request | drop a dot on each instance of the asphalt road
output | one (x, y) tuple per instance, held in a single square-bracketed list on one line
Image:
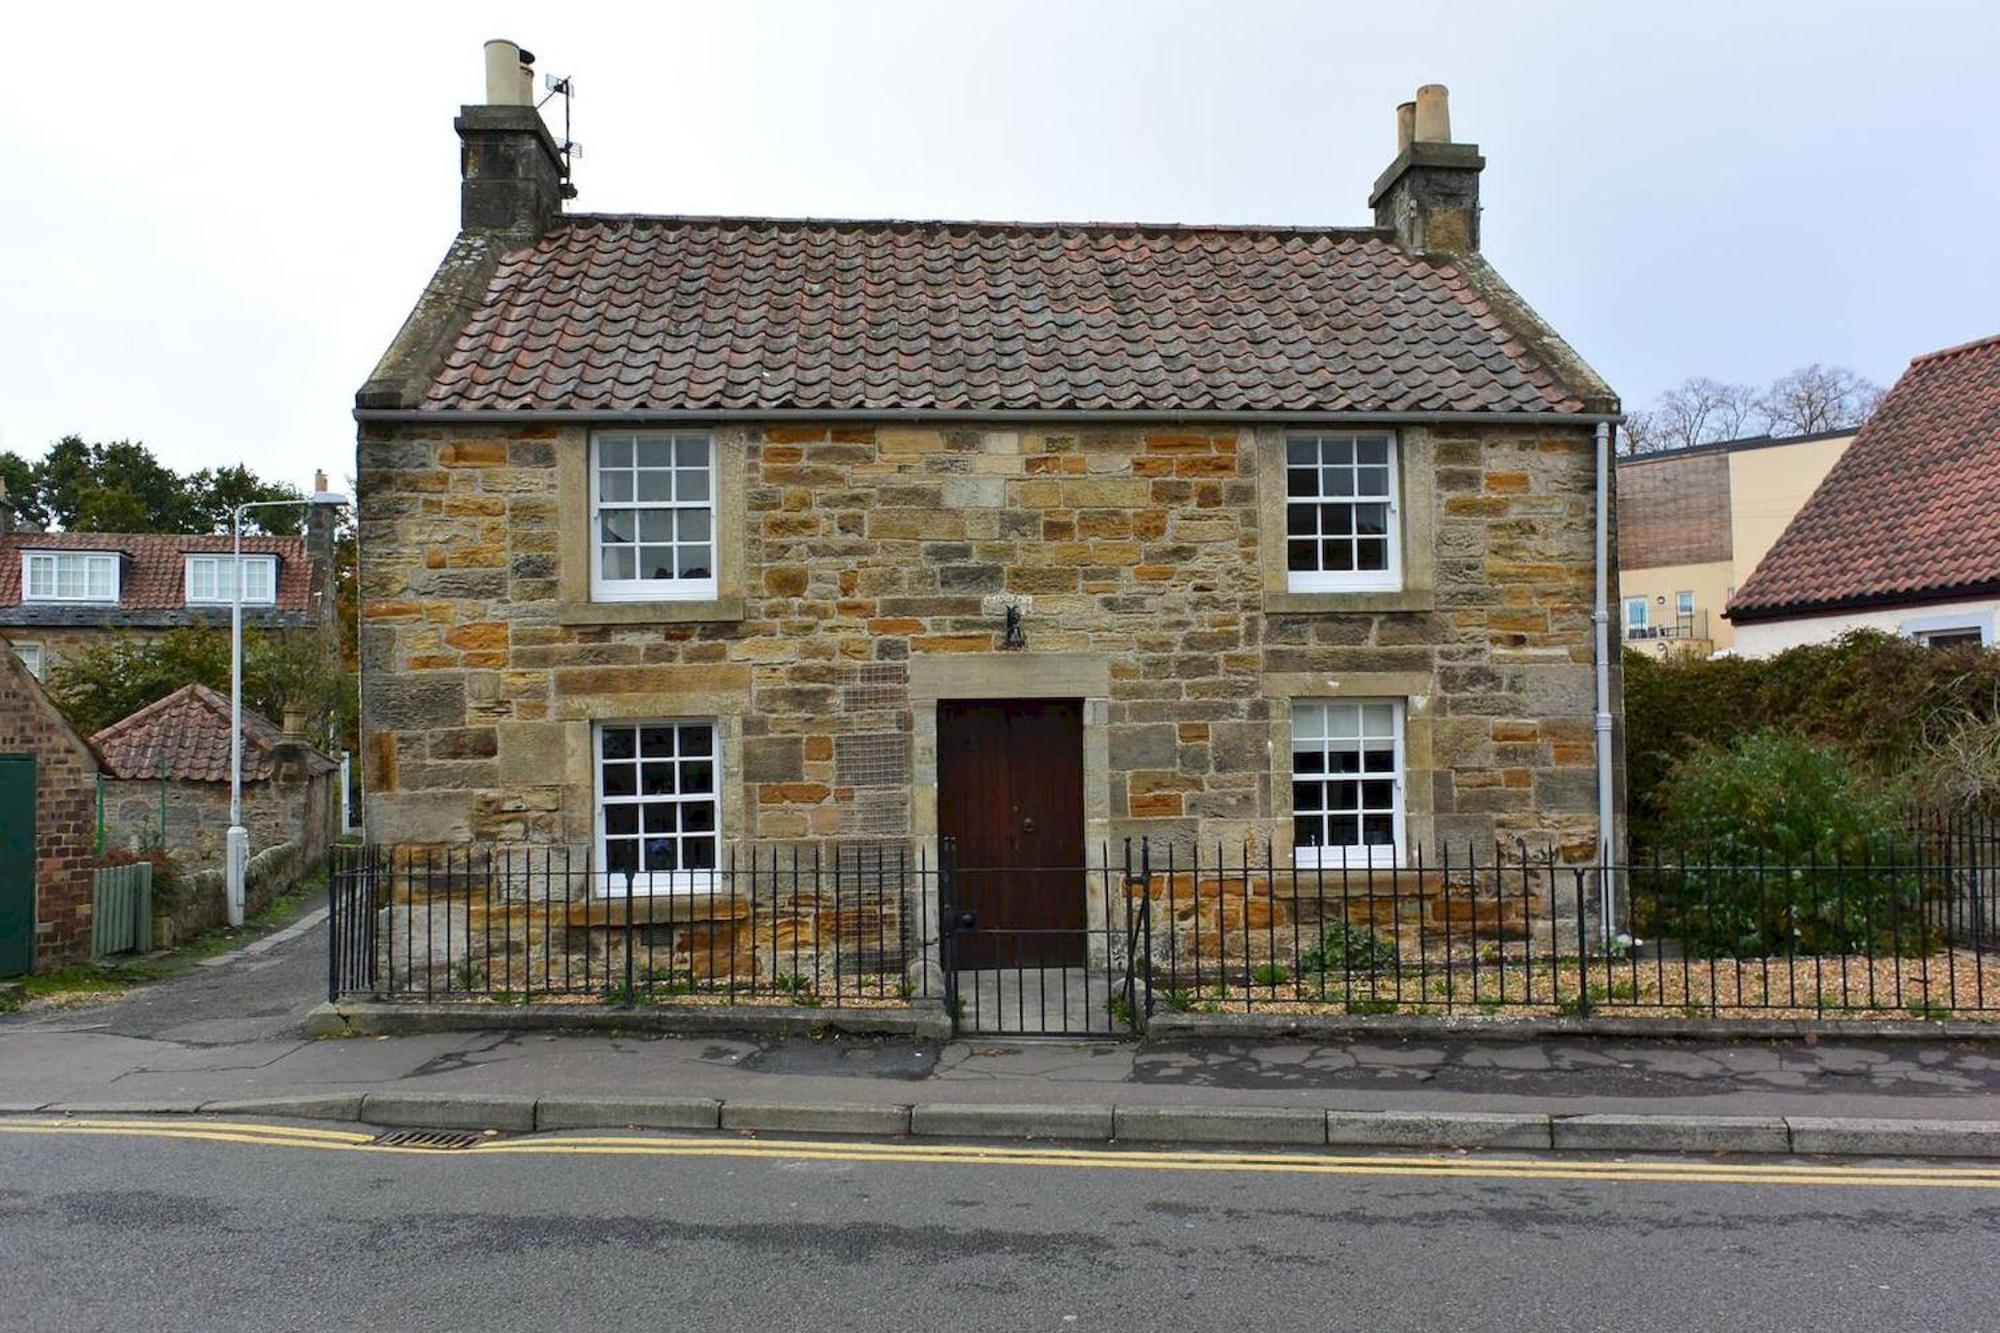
[(119, 1231)]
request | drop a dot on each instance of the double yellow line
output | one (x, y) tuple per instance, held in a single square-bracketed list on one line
[(1430, 1165)]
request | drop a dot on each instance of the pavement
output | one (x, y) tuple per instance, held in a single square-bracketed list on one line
[(223, 1035), (145, 1227)]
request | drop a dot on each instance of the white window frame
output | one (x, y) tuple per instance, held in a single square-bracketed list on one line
[(612, 885), (53, 560), (1921, 628), (1636, 629), (1684, 604), (676, 589), (218, 561), (1356, 855), (32, 657), (1390, 577)]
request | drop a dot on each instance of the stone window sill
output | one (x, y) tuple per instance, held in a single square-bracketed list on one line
[(1334, 603), (650, 613), (650, 909)]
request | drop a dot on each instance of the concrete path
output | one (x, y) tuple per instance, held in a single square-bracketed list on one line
[(234, 1032), (1056, 1001)]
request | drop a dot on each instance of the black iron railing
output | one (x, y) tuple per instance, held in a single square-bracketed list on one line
[(1908, 929), (519, 924)]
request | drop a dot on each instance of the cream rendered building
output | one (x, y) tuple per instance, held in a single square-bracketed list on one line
[(1694, 523)]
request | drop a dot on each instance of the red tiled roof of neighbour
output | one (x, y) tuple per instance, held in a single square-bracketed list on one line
[(185, 737), (1911, 512), (154, 578), (622, 313)]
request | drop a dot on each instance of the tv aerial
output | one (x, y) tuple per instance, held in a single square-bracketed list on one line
[(564, 86)]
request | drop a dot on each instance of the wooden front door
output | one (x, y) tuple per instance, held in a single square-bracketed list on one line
[(1010, 800), (17, 863)]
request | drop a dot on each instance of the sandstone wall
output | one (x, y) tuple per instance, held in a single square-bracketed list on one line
[(865, 572)]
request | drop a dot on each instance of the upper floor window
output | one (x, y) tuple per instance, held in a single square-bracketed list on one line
[(1684, 604), (1347, 782), (652, 507), (1637, 617), (69, 576), (1342, 532), (211, 580), (31, 657)]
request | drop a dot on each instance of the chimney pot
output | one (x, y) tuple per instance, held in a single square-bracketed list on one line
[(504, 84), (510, 167), (1406, 125), (1433, 114)]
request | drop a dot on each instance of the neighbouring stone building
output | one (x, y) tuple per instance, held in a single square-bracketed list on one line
[(680, 534), (48, 791), (166, 771)]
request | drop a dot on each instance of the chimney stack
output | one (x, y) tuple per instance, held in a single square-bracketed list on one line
[(509, 165), (1429, 196), (321, 524)]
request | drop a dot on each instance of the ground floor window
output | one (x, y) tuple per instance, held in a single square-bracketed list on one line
[(31, 657), (1347, 782), (658, 805)]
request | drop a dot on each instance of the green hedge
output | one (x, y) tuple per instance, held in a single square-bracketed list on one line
[(1873, 698)]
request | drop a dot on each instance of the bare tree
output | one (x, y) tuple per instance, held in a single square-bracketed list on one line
[(1696, 411), (1817, 398)]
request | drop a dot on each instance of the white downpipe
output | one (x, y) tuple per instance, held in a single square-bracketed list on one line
[(1607, 840)]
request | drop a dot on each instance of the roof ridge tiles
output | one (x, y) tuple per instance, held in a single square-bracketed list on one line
[(991, 226)]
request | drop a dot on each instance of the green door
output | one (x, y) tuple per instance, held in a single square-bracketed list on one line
[(17, 864)]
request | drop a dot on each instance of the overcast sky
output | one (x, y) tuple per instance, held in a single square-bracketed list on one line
[(213, 220)]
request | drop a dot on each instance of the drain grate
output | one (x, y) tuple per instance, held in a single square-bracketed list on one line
[(442, 1140)]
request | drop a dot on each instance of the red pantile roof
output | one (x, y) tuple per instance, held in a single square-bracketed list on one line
[(185, 737), (1911, 512), (619, 313), (154, 575)]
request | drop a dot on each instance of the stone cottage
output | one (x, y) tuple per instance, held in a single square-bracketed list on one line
[(48, 790), (683, 534), (166, 770)]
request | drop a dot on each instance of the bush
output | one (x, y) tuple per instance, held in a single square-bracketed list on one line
[(1957, 769), (1781, 846), (170, 881), (1349, 948)]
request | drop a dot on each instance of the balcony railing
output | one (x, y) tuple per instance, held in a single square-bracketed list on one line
[(1692, 626)]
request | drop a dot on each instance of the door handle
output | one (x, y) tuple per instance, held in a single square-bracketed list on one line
[(1028, 824)]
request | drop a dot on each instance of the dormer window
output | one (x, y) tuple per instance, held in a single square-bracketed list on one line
[(209, 581), (69, 576)]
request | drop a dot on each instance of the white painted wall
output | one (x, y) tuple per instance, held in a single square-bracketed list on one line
[(1764, 638)]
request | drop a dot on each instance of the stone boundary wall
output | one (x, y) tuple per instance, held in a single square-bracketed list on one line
[(202, 904)]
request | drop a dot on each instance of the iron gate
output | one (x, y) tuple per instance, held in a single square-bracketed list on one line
[(1047, 981)]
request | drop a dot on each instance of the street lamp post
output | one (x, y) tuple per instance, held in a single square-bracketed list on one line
[(236, 845)]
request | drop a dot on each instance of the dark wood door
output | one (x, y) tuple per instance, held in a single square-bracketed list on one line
[(1010, 799)]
